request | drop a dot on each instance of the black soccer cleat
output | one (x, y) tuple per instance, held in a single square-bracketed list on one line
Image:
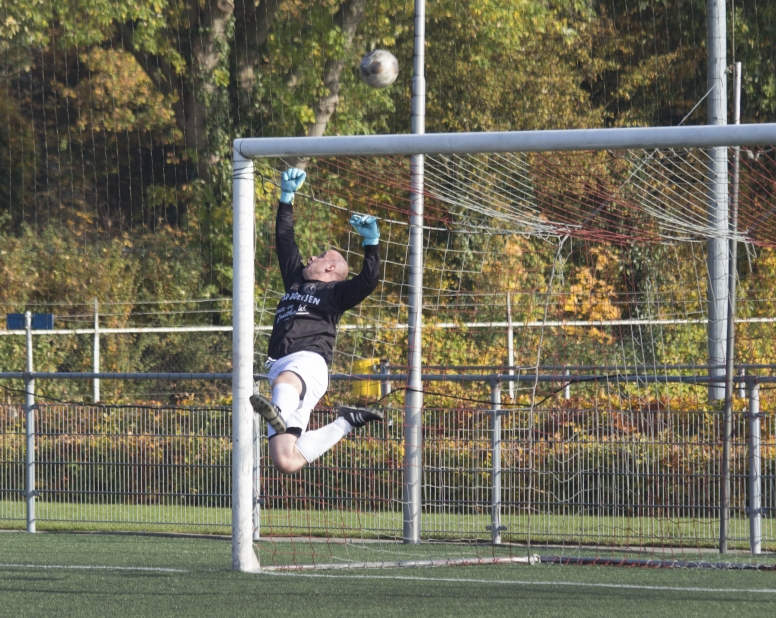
[(269, 412), (358, 417)]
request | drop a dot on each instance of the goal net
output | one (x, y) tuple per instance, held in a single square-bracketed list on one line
[(567, 410)]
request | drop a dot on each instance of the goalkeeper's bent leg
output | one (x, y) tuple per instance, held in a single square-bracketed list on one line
[(285, 455), (313, 444)]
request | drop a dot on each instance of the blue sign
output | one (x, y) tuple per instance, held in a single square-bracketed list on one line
[(40, 321)]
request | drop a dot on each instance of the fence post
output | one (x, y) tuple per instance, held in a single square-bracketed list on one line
[(510, 347), (724, 493), (495, 480), (29, 418), (385, 384), (742, 382), (567, 386), (755, 510), (96, 355), (256, 477)]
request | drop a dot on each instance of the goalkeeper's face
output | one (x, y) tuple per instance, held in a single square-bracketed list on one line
[(328, 266)]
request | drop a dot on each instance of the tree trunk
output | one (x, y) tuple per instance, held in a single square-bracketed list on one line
[(201, 95), (251, 31), (349, 18), (194, 96)]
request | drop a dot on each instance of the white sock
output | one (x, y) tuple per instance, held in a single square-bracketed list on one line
[(313, 444), (285, 397)]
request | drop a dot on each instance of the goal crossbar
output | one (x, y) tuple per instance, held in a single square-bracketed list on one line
[(509, 141)]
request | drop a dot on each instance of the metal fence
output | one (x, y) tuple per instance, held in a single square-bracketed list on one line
[(598, 475), (120, 467)]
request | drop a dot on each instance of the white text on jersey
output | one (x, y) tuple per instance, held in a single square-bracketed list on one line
[(305, 298)]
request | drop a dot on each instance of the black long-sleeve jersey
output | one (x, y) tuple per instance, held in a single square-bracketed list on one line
[(308, 313)]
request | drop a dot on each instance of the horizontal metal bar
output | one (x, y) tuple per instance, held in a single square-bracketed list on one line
[(623, 367), (130, 464), (130, 329), (440, 562), (140, 522), (398, 469), (502, 377), (127, 493), (426, 325), (334, 498), (485, 501), (509, 141), (143, 434), (561, 379), (89, 375), (557, 323)]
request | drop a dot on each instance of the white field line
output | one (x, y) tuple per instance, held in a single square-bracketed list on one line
[(527, 583), (452, 580), (92, 567)]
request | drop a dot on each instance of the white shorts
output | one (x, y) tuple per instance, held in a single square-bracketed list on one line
[(312, 369)]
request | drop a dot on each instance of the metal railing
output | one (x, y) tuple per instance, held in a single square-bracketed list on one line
[(92, 352), (602, 474), (117, 466)]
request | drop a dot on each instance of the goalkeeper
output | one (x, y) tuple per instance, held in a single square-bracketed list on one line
[(300, 348)]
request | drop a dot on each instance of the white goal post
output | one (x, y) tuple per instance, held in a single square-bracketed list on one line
[(247, 149)]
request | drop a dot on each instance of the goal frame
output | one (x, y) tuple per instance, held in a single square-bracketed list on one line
[(247, 149)]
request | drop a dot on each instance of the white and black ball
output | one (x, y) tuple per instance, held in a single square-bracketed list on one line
[(379, 68)]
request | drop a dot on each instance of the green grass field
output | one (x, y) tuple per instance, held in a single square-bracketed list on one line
[(567, 529), (97, 574)]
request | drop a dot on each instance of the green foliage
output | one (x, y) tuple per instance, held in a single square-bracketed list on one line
[(755, 36), (116, 121), (69, 266)]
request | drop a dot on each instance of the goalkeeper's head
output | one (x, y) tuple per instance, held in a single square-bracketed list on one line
[(328, 266)]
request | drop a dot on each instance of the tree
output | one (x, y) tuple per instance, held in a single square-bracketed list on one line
[(203, 91), (145, 100)]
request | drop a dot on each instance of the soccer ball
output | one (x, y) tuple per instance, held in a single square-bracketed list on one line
[(379, 68)]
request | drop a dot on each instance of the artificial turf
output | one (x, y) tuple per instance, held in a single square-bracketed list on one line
[(38, 578), (545, 528)]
